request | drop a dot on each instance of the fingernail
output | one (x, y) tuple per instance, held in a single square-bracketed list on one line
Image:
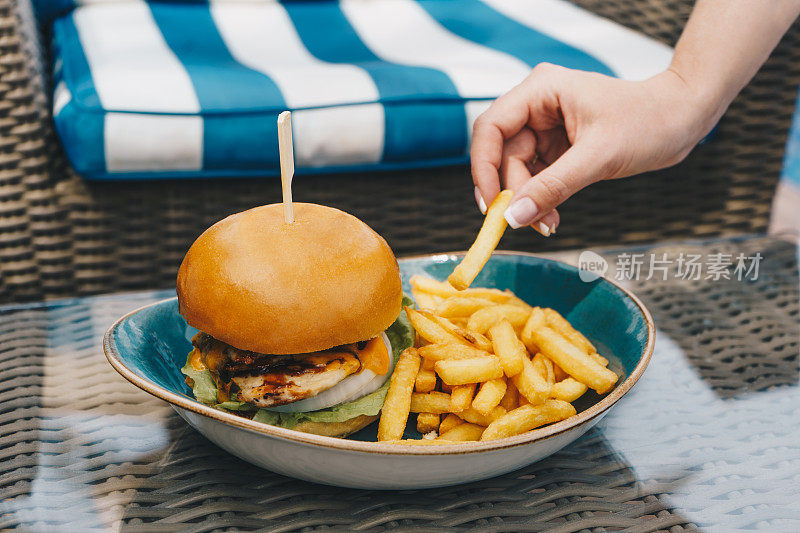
[(479, 199), (543, 229), (521, 213), (553, 229)]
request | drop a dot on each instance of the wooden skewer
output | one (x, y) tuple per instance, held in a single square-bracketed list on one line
[(286, 150)]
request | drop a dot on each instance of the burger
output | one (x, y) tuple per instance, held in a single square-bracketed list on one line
[(297, 325)]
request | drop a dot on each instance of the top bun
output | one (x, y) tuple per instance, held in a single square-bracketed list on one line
[(259, 284)]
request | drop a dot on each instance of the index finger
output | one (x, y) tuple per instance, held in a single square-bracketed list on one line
[(505, 118)]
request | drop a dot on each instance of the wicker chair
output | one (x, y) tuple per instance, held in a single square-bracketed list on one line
[(62, 236)]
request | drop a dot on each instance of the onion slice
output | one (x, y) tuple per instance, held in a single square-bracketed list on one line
[(349, 389)]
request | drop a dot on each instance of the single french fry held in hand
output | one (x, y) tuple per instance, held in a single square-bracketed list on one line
[(568, 390), (430, 402), (394, 413), (459, 306), (494, 225), (426, 380), (461, 397), (439, 352), (562, 325), (507, 347), (474, 370), (511, 397), (450, 421), (429, 329), (573, 360), (531, 384), (528, 417), (463, 432), (483, 319), (544, 366), (474, 417), (489, 396), (427, 422)]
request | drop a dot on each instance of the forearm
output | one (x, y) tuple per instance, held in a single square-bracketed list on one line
[(724, 44)]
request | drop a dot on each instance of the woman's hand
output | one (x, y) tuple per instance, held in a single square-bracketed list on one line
[(561, 130)]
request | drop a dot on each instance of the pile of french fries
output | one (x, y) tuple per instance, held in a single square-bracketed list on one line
[(486, 365)]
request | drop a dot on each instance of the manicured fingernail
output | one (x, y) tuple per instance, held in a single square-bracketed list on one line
[(553, 229), (479, 199), (521, 213), (543, 229)]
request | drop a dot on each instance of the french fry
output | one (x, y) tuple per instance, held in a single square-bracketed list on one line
[(427, 422), (463, 371), (459, 306), (528, 417), (424, 300), (561, 325), (471, 337), (431, 286), (507, 347), (449, 422), (460, 322), (485, 318), (573, 360), (511, 397), (544, 366), (439, 352), (430, 402), (421, 442), (463, 432), (530, 384), (521, 400), (461, 397), (568, 390), (516, 300), (559, 374), (474, 417), (429, 329), (427, 364), (394, 413), (445, 387), (489, 396), (494, 225), (599, 359), (494, 295), (426, 380), (537, 320)]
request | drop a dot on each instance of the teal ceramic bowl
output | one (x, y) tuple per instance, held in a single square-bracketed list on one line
[(149, 346)]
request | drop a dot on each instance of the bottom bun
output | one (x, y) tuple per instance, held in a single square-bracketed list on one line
[(336, 429)]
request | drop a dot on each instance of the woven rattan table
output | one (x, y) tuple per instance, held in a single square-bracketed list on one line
[(709, 439)]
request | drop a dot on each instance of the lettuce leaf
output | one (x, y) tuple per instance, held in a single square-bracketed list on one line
[(204, 388), (401, 336)]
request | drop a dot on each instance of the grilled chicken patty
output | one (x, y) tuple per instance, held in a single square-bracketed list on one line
[(267, 380)]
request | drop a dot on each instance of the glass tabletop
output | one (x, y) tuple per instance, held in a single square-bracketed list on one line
[(708, 440)]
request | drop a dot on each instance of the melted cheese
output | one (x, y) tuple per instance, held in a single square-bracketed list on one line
[(375, 356), (196, 361)]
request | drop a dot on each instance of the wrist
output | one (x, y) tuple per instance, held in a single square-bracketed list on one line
[(694, 108)]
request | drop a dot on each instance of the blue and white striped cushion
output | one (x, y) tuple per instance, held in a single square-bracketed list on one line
[(189, 89)]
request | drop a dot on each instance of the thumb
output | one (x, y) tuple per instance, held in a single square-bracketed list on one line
[(574, 170)]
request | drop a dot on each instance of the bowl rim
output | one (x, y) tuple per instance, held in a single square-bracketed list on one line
[(384, 448)]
